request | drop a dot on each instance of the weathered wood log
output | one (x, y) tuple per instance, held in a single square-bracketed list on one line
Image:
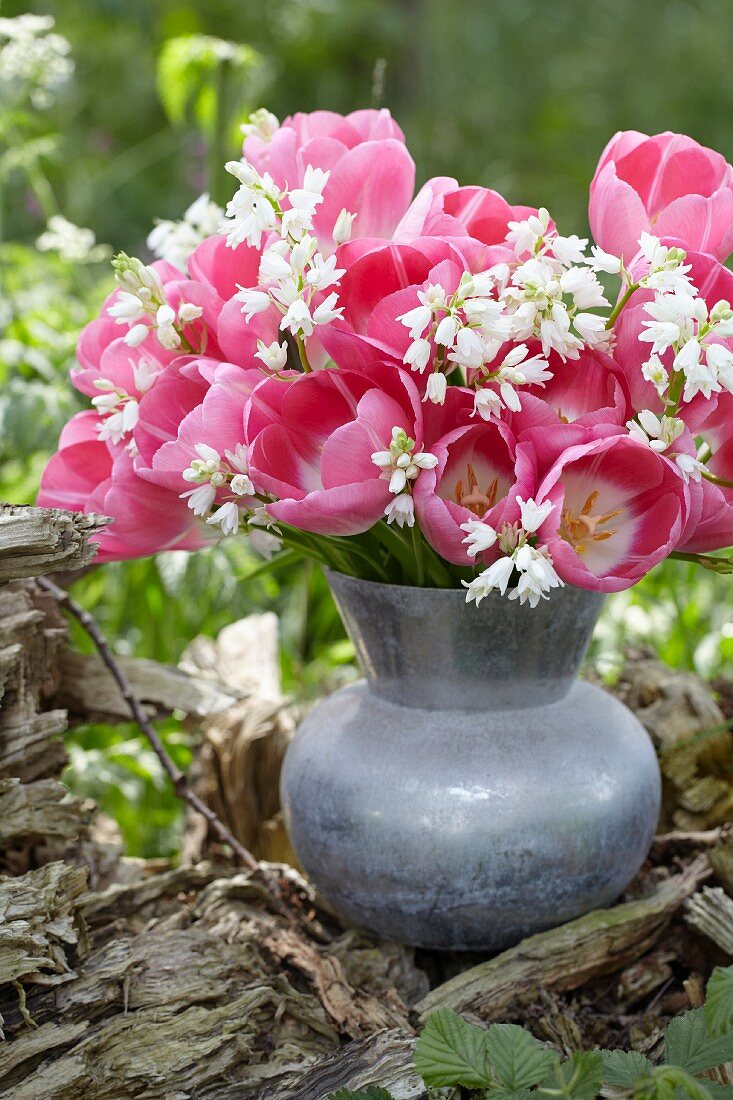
[(567, 957), (711, 912), (239, 760), (688, 729), (89, 693), (44, 540), (384, 1059)]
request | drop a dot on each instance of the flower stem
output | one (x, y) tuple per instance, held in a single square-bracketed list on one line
[(717, 480), (302, 355), (620, 304)]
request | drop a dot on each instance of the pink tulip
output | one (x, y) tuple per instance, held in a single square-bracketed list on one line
[(623, 509), (209, 414), (667, 185), (713, 529), (103, 353), (371, 173), (378, 287), (484, 214), (86, 475), (480, 473), (311, 442)]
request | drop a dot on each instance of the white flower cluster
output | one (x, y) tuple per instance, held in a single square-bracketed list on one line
[(517, 542), (292, 270), (552, 286), (141, 305), (261, 123), (72, 242), (174, 241), (33, 60), (290, 278), (659, 433), (401, 465), (681, 321), (545, 295), (463, 329), (119, 409), (211, 472)]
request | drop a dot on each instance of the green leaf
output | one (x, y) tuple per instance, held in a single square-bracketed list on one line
[(719, 1002), (371, 1092), (623, 1067), (580, 1077), (452, 1052), (719, 1092), (518, 1059), (187, 66), (668, 1082), (691, 1045)]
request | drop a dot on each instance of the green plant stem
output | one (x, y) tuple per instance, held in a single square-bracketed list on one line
[(303, 355), (217, 152), (621, 303), (717, 480)]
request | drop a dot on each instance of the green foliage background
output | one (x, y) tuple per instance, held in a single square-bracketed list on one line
[(514, 94)]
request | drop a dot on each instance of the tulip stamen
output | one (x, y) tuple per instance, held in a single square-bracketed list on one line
[(472, 497), (579, 529)]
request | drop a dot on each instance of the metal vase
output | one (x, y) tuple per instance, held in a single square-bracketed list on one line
[(471, 790)]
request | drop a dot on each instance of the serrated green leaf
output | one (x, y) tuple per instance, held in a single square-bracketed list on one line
[(719, 1001), (371, 1092), (669, 1083), (509, 1094), (518, 1059), (623, 1067), (718, 1091), (452, 1052), (580, 1077), (691, 1046)]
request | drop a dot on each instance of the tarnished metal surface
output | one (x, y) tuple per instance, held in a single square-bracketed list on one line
[(471, 792)]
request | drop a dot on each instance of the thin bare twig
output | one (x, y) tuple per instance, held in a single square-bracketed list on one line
[(174, 773)]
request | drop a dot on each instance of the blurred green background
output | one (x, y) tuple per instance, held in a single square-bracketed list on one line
[(513, 94)]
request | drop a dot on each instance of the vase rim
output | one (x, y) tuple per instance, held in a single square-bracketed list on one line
[(328, 572)]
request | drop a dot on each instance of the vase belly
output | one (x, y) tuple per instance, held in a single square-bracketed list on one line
[(467, 829)]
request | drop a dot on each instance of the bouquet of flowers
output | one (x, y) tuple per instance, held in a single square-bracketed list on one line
[(433, 389)]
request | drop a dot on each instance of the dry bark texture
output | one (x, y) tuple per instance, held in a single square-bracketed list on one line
[(124, 979)]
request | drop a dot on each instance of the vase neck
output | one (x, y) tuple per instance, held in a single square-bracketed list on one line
[(427, 648)]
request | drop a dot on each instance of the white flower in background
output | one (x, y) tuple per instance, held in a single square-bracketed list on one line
[(261, 123), (33, 61), (255, 207), (536, 575), (655, 372), (461, 329), (659, 433), (211, 473), (141, 305), (480, 536), (527, 236), (227, 517), (436, 389), (274, 356), (400, 464), (291, 278), (174, 241), (72, 242), (681, 321), (604, 261), (667, 269), (401, 510), (518, 368), (547, 295), (690, 467), (343, 228)]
